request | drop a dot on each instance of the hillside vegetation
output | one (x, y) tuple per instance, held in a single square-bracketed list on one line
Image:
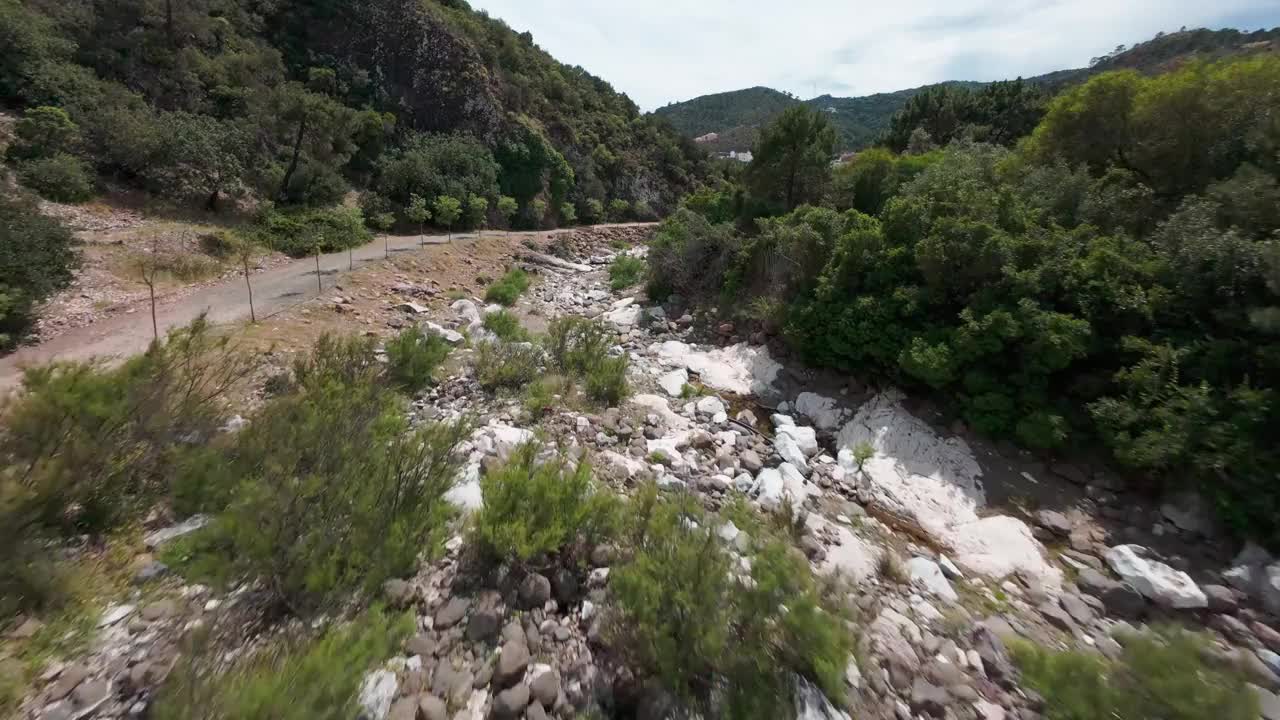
[(1114, 278), (300, 101), (862, 121)]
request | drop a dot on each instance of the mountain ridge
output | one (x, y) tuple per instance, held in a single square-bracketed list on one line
[(860, 120)]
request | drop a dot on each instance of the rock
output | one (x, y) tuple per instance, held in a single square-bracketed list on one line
[(927, 574), (751, 461), (988, 711), (377, 691), (995, 658), (673, 383), (1268, 588), (535, 591), (1188, 512), (566, 586), (1073, 473), (666, 451), (949, 568), (812, 704), (1266, 635), (412, 308), (67, 680), (1124, 601), (791, 452), (510, 703), (61, 710), (825, 412), (851, 556), (1077, 609), (399, 594), (173, 532), (935, 485), (1094, 582), (624, 317), (1155, 580), (1268, 703), (150, 571), (1221, 599), (1054, 521), (512, 662), (421, 644), (158, 610), (546, 687), (453, 337), (929, 699), (26, 629), (115, 614), (710, 406), (1056, 616), (484, 624), (738, 369), (450, 613), (431, 707), (535, 712), (406, 708), (805, 438)]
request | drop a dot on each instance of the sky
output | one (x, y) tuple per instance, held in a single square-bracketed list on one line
[(663, 51)]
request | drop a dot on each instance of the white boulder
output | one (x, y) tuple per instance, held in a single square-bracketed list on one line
[(377, 691), (710, 406), (740, 369), (791, 452), (673, 383), (825, 412), (1155, 580), (805, 437), (929, 575)]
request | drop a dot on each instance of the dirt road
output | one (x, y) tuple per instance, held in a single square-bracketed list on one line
[(273, 291)]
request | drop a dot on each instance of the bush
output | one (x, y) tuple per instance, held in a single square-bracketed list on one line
[(60, 177), (332, 493), (36, 260), (575, 345), (626, 271), (413, 356), (300, 233), (538, 506), (508, 288), (606, 381), (690, 256), (220, 244), (97, 446), (507, 365), (506, 326), (726, 644), (542, 393), (1162, 675), (291, 679)]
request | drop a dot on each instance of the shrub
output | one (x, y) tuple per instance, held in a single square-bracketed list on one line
[(1163, 674), (332, 493), (541, 394), (619, 209), (690, 256), (220, 244), (507, 365), (575, 344), (606, 381), (535, 506), (292, 679), (95, 446), (300, 233), (506, 326), (626, 271), (36, 260), (60, 177), (726, 644), (413, 356), (508, 288)]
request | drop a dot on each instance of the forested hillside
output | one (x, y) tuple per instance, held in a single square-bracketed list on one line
[(861, 121), (299, 101), (432, 112), (1108, 274)]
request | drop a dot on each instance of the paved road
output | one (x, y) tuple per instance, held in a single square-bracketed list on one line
[(273, 291)]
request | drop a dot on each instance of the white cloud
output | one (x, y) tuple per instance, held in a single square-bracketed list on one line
[(660, 51)]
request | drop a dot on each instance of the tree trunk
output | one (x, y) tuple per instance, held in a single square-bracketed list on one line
[(319, 285), (253, 316), (212, 203), (297, 153), (155, 327)]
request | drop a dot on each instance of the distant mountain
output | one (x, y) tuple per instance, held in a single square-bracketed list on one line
[(734, 118)]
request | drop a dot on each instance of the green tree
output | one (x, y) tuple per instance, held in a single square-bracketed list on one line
[(507, 208), (619, 209), (44, 131), (592, 211), (537, 210), (478, 212), (568, 214), (792, 161), (36, 260), (418, 213), (200, 158), (447, 210)]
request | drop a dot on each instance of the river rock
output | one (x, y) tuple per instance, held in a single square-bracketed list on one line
[(673, 383), (1155, 580), (805, 438), (739, 369), (926, 573), (825, 412), (377, 691)]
